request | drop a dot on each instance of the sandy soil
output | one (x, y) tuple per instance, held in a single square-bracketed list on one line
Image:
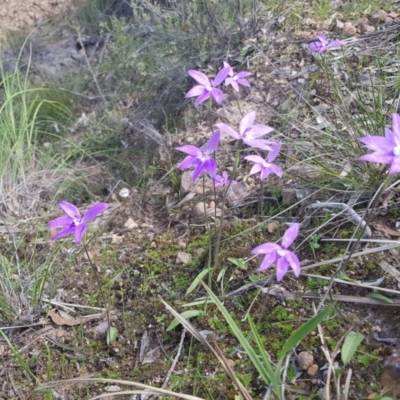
[(22, 14)]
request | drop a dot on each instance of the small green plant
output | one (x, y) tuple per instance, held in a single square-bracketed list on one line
[(258, 354)]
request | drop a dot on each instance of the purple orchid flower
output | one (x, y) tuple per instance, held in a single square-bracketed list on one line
[(265, 167), (274, 253), (236, 79), (201, 159), (386, 150), (249, 133), (322, 43), (73, 222), (223, 180), (207, 87)]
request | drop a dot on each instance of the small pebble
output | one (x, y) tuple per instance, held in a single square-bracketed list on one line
[(305, 360)]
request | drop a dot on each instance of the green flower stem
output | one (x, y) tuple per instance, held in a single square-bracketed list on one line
[(219, 233)]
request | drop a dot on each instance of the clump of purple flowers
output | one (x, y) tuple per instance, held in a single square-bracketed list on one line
[(73, 222), (284, 258), (202, 159), (322, 43)]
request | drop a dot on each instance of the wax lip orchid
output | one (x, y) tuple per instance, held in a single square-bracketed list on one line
[(235, 79), (223, 180), (249, 133), (73, 222), (386, 150), (274, 253), (201, 159), (265, 167), (322, 43), (207, 87)]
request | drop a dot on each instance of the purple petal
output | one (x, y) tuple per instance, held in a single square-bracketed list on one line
[(266, 248), (228, 81), (218, 95), (196, 91), (269, 259), (315, 46), (274, 152), (69, 209), (335, 43), (262, 144), (257, 131), (79, 231), (213, 142), (396, 132), (243, 82), (94, 211), (218, 181), (265, 171), (323, 39), (282, 267), (246, 122), (190, 149), (199, 77), (221, 76), (61, 222), (290, 235), (202, 98), (255, 159), (210, 166), (276, 170), (294, 262), (63, 233), (198, 171), (395, 166), (235, 86), (243, 74), (255, 169), (188, 162), (389, 135), (377, 143), (226, 65), (227, 129), (380, 158)]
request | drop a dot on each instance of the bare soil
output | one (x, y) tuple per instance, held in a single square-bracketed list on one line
[(16, 15)]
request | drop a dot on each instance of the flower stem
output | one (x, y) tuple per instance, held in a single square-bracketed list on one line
[(220, 228), (103, 298)]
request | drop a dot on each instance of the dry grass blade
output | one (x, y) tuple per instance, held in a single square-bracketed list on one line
[(347, 384), (354, 283), (148, 389), (215, 350)]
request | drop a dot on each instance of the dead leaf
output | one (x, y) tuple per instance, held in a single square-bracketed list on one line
[(386, 229), (151, 356), (70, 321), (395, 273), (146, 355), (144, 344)]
